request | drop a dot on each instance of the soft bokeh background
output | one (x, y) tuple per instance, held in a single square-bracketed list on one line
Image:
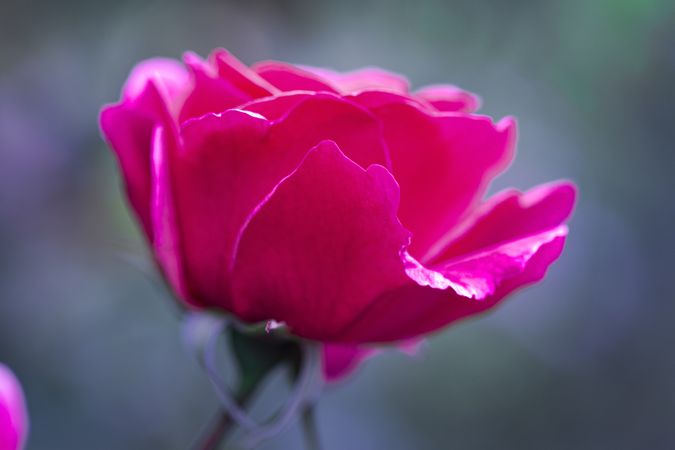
[(585, 360)]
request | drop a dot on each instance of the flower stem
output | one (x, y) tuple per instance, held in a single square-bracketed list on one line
[(220, 426), (309, 429), (215, 433)]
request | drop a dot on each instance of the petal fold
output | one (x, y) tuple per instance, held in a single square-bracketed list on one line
[(221, 83), (507, 216), (443, 162), (166, 241), (322, 246), (438, 296), (230, 163), (149, 98)]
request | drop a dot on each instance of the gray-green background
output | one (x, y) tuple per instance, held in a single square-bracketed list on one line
[(583, 361)]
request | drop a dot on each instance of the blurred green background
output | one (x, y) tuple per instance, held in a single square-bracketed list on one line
[(584, 360)]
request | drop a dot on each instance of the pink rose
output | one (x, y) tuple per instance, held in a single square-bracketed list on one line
[(13, 417), (343, 205)]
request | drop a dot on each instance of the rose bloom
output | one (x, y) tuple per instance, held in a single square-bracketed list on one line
[(341, 204), (13, 417)]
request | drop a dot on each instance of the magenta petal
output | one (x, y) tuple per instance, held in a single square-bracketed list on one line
[(273, 108), (231, 162), (438, 296), (449, 98), (152, 91), (165, 227), (374, 99), (240, 75), (368, 78), (221, 83), (291, 78), (13, 415), (340, 360), (507, 216), (301, 262), (443, 163), (479, 275), (324, 116), (222, 172), (168, 76)]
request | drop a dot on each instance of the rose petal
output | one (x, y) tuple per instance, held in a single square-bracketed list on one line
[(166, 242), (219, 84), (442, 162), (449, 98), (288, 77), (13, 415), (168, 75), (324, 244), (436, 297), (148, 97), (340, 361), (273, 108), (507, 216), (232, 161), (240, 75), (374, 99), (368, 78), (480, 256)]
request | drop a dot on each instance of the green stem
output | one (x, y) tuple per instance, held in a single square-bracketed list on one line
[(220, 427), (309, 429)]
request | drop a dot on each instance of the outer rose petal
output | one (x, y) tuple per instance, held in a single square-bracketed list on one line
[(507, 216), (273, 108), (232, 161), (507, 243), (368, 78), (442, 162), (342, 360), (166, 242), (301, 262), (436, 297), (148, 98), (219, 84), (13, 416), (449, 98), (339, 361), (288, 77), (241, 75)]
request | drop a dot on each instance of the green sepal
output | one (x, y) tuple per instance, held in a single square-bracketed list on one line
[(257, 354)]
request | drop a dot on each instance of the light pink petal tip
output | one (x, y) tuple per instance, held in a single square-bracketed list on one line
[(368, 78), (169, 76), (449, 98), (13, 415), (288, 77)]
